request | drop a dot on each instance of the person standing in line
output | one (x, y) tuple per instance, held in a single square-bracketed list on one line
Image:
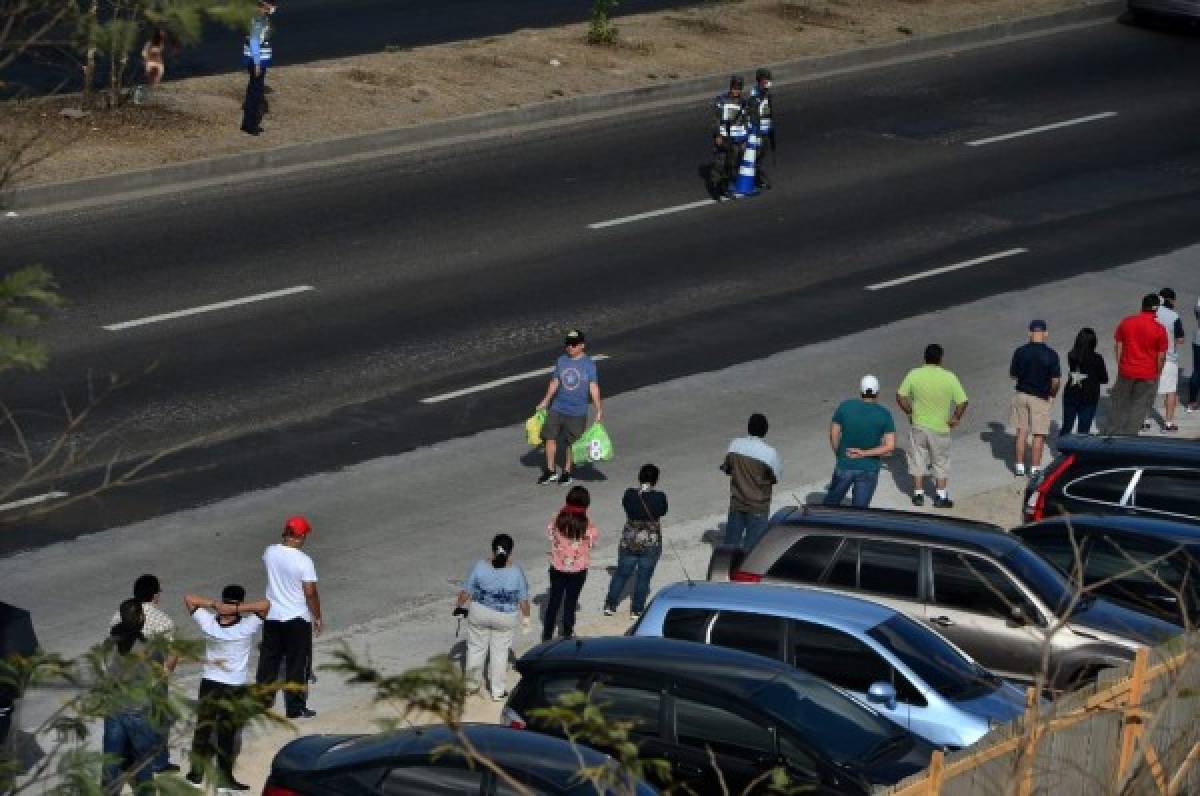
[(1194, 382), (729, 138), (1140, 342), (495, 593), (1087, 372), (256, 57), (934, 402), (1168, 380), (1038, 374), (294, 617), (229, 627), (130, 741), (572, 537), (573, 383), (762, 111), (753, 468), (861, 433), (641, 542)]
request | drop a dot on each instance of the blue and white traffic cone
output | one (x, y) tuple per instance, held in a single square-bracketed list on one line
[(745, 185)]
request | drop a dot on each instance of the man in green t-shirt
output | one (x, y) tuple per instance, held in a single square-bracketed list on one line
[(860, 433), (934, 402)]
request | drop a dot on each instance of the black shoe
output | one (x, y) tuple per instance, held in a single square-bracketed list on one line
[(548, 477), (943, 503), (565, 478), (918, 498), (252, 130), (229, 783), (303, 713), (195, 778)]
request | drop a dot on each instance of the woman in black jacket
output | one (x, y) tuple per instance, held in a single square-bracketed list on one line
[(1087, 373), (641, 542)]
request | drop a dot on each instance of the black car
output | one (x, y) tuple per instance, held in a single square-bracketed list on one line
[(1144, 563), (1151, 476), (753, 714), (413, 762)]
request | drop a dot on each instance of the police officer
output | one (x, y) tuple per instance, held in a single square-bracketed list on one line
[(729, 139), (761, 112), (256, 57)]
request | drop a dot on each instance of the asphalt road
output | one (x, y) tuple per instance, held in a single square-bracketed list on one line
[(431, 274)]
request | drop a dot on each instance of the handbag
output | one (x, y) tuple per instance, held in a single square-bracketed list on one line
[(642, 536)]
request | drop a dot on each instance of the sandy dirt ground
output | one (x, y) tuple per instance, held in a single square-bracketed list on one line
[(199, 117)]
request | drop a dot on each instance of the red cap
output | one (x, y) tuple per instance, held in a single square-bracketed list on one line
[(297, 526)]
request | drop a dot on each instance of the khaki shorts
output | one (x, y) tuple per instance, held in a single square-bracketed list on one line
[(1030, 414), (928, 450), (1168, 380)]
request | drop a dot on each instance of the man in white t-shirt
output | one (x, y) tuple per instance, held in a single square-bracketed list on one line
[(229, 628), (294, 617)]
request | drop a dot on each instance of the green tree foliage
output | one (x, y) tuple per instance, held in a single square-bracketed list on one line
[(25, 294), (601, 30)]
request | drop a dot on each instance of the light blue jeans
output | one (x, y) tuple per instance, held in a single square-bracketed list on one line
[(638, 565)]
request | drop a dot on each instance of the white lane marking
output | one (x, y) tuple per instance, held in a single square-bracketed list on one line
[(220, 305), (437, 399), (987, 258), (666, 211), (1095, 117), (32, 501)]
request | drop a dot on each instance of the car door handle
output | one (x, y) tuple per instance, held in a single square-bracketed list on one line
[(941, 621)]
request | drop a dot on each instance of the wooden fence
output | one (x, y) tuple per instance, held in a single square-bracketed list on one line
[(1136, 731)]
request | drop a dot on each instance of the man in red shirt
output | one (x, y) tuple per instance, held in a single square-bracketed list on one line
[(1141, 346)]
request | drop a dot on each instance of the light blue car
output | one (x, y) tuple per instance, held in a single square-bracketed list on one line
[(901, 668)]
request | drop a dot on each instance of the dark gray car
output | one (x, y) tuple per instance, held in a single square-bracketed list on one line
[(977, 585)]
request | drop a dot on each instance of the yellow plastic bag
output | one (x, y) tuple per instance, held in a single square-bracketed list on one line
[(533, 427)]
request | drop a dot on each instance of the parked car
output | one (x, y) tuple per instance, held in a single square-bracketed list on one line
[(976, 584), (904, 669), (1152, 476), (752, 714), (408, 763), (1144, 563)]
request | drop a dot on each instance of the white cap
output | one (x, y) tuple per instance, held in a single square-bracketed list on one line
[(869, 384)]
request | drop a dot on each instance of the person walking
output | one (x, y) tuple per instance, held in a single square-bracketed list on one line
[(1194, 382), (762, 112), (753, 468), (1140, 342), (495, 593), (130, 740), (641, 542), (729, 138), (294, 617), (572, 537), (572, 384), (934, 402), (229, 627), (1086, 372), (1038, 374), (861, 433), (257, 55), (1168, 380)]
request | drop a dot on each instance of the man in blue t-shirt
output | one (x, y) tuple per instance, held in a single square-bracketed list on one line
[(860, 433), (572, 385), (1037, 374)]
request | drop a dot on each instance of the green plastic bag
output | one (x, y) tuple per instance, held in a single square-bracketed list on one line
[(533, 427), (594, 446)]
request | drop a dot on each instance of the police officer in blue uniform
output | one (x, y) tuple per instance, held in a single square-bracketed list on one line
[(729, 138), (761, 114), (256, 57)]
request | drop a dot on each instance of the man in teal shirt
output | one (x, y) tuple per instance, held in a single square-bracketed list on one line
[(860, 434), (934, 401)]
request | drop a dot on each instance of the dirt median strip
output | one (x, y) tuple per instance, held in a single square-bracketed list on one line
[(187, 132)]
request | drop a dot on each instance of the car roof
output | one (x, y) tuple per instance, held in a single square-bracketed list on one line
[(1135, 524), (838, 610), (1135, 449), (909, 525)]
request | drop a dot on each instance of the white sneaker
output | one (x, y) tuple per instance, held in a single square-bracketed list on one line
[(1020, 470), (1034, 472)]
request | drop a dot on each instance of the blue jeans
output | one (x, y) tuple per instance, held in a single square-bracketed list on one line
[(863, 482), (1194, 382), (627, 564), (129, 743), (743, 529), (1084, 414)]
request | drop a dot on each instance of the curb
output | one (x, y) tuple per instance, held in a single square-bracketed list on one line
[(314, 153)]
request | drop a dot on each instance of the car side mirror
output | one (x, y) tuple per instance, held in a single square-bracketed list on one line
[(882, 693)]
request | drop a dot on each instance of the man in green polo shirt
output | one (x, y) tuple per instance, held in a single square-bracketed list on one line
[(934, 402)]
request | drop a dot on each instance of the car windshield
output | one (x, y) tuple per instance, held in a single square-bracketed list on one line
[(931, 658), (1050, 586), (843, 729)]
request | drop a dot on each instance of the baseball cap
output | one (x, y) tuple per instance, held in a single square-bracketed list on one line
[(1167, 293), (1037, 326), (869, 384), (574, 337), (297, 526)]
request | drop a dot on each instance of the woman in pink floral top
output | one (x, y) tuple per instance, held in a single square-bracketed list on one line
[(572, 536)]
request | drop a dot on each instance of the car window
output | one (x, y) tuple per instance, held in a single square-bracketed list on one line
[(805, 560), (1169, 491), (761, 634), (845, 568), (622, 701), (889, 568), (554, 687), (1054, 544), (845, 661), (1106, 487), (428, 780), (1147, 573), (971, 583), (800, 760), (933, 659), (700, 725), (688, 624)]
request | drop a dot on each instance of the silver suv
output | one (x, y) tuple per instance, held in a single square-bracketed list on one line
[(977, 585)]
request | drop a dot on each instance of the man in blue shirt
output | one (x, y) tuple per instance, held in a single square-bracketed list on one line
[(860, 433), (1038, 375), (572, 385)]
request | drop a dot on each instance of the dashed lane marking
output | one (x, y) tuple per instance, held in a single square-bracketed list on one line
[(220, 305), (666, 211), (945, 269), (1095, 117), (437, 399)]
